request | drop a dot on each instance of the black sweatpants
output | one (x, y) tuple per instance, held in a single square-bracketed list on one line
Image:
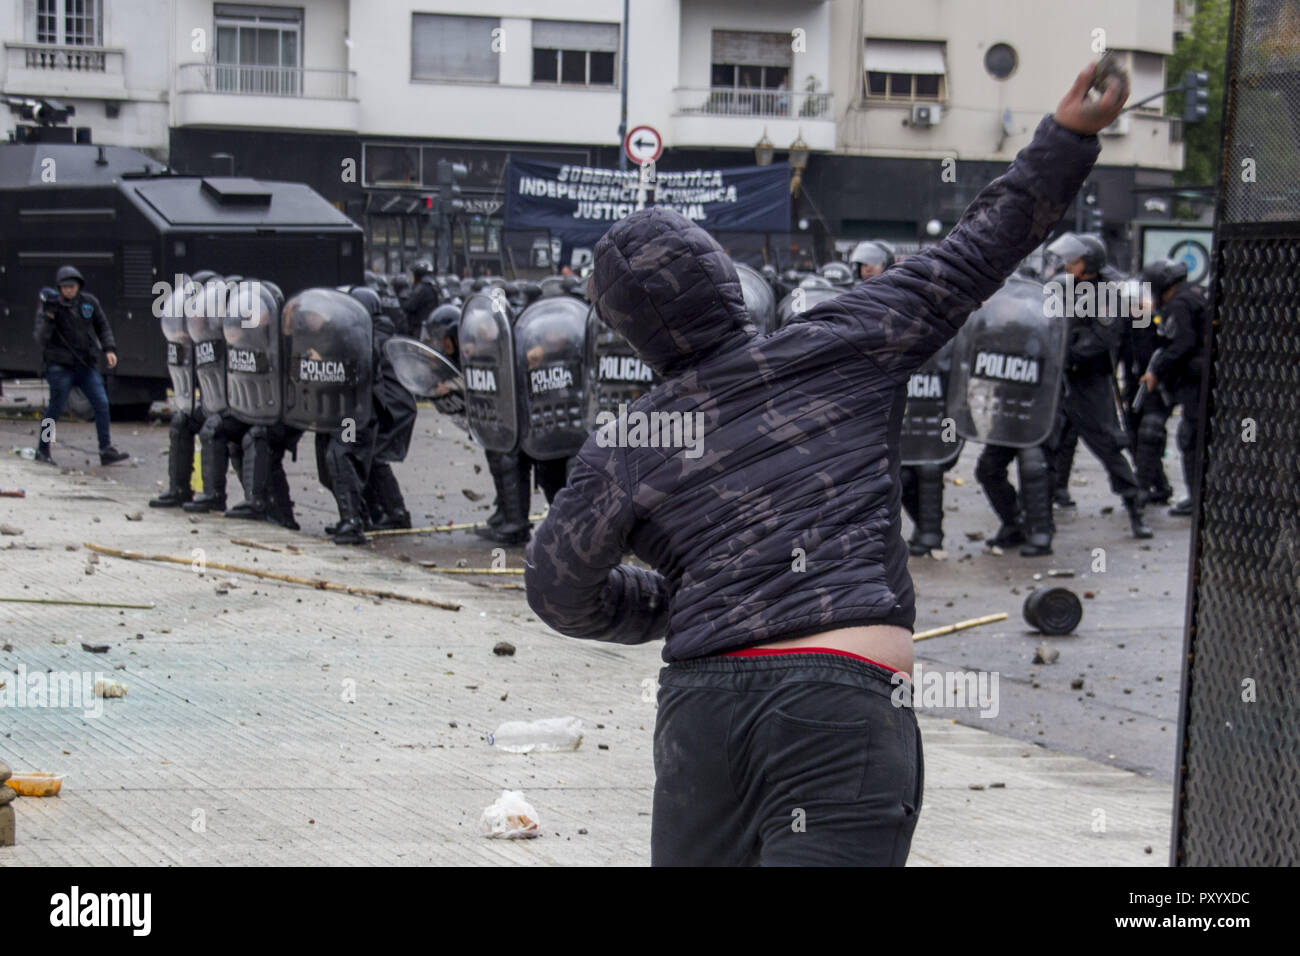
[(784, 760)]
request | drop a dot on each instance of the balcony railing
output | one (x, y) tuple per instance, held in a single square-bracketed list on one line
[(726, 101), (266, 81), (73, 59)]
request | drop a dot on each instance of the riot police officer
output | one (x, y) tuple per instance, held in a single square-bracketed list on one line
[(187, 411), (1141, 338), (72, 329), (1175, 370), (872, 257), (422, 300), (1096, 327), (394, 415)]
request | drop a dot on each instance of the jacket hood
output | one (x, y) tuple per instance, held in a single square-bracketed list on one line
[(666, 286)]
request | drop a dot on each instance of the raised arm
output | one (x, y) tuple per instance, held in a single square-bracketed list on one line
[(573, 575), (901, 317)]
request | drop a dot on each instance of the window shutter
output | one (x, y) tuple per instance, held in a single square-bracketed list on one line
[(752, 49), (453, 48), (574, 35)]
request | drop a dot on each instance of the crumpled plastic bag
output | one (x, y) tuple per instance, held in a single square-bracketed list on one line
[(510, 818)]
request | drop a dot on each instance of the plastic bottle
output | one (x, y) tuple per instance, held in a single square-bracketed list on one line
[(542, 736)]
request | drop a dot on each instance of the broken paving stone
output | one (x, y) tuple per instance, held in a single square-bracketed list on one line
[(1060, 573), (602, 746), (503, 649), (462, 563), (1046, 655), (997, 786), (10, 529), (975, 786), (974, 535), (96, 648), (69, 547), (471, 494), (1076, 684), (134, 516), (583, 832), (109, 688), (1089, 595)]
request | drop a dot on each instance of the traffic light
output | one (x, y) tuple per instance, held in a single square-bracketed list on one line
[(1096, 220), (449, 201), (1196, 96)]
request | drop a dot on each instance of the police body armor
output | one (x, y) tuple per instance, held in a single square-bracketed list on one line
[(923, 431), (254, 366), (328, 346), (800, 301), (616, 375), (550, 346), (487, 361), (759, 299), (205, 311), (1007, 366), (180, 350)]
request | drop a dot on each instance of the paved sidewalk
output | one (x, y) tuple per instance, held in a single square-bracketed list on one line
[(276, 724)]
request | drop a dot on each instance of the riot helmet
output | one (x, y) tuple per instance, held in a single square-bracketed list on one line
[(1163, 275), (68, 274), (367, 297), (876, 254)]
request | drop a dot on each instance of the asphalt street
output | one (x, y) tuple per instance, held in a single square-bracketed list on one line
[(1111, 695)]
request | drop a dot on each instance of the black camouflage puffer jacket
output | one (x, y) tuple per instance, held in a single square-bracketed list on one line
[(784, 520)]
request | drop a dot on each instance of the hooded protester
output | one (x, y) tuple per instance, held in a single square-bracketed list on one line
[(779, 576)]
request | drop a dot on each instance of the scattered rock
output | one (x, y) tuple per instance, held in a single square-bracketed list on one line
[(976, 786), (96, 648), (1076, 684), (1046, 655), (69, 547), (503, 649), (997, 786), (1060, 573), (10, 529), (109, 688), (974, 535), (135, 516), (602, 746), (471, 494)]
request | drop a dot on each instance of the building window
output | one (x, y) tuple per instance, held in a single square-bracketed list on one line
[(905, 71), (751, 73), (1146, 75), (390, 165), (447, 47), (574, 53), (69, 22), (259, 49)]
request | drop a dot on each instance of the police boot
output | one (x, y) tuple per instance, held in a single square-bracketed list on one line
[(1183, 509), (43, 453), (350, 529), (389, 493), (1133, 505), (279, 506), (180, 462), (255, 474), (216, 459), (374, 506), (929, 507), (498, 515), (1036, 497), (514, 528), (1061, 498)]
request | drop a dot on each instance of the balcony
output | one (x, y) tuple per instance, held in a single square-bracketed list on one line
[(738, 117), (48, 69), (221, 94)]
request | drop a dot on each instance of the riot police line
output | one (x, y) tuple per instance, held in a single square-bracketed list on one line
[(529, 370)]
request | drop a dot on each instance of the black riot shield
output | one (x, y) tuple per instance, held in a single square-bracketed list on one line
[(550, 340), (423, 371), (487, 361), (205, 312), (1007, 365), (254, 364), (328, 345), (180, 348), (426, 373), (759, 299), (616, 376), (800, 301), (925, 439)]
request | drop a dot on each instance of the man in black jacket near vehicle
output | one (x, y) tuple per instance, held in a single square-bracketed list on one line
[(784, 733), (72, 330)]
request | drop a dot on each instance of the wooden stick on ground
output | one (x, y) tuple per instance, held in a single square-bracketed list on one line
[(319, 584), (476, 570), (250, 543), (959, 626), (136, 607)]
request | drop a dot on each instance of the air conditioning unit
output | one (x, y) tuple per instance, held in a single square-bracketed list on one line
[(926, 114), (1117, 128)]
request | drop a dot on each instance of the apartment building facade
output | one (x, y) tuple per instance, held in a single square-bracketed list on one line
[(899, 110)]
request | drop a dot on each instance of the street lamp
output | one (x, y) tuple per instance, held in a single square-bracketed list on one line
[(764, 150), (798, 161)]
